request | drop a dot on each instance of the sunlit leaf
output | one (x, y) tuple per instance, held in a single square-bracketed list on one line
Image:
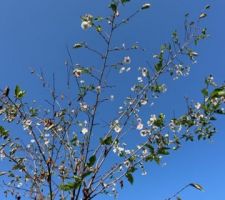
[(3, 133), (19, 93), (78, 45), (197, 186), (130, 178), (106, 141), (71, 185), (146, 6), (203, 15), (207, 7), (92, 160), (3, 173), (124, 1)]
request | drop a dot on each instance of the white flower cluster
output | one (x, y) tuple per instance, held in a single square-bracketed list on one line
[(198, 105), (181, 70), (151, 120), (83, 126), (124, 69), (84, 130), (174, 126), (45, 138), (215, 101), (83, 106), (116, 126), (86, 21), (140, 126), (210, 80), (145, 132), (118, 149), (121, 151), (77, 72), (144, 71), (2, 154), (126, 60), (26, 124)]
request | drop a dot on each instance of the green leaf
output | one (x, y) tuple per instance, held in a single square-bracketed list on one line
[(207, 7), (86, 174), (163, 151), (113, 6), (157, 159), (74, 140), (98, 19), (205, 92), (3, 133), (99, 28), (196, 186), (159, 65), (18, 166), (18, 92), (219, 92), (67, 187), (92, 160), (106, 141), (150, 147), (130, 177), (33, 112), (124, 1), (71, 185), (220, 111)]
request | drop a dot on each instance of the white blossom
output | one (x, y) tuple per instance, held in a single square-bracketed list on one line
[(146, 6), (144, 72), (175, 127), (198, 106), (77, 72), (117, 129), (86, 21), (122, 69), (127, 60), (140, 126), (152, 119), (144, 101), (19, 184), (127, 163), (98, 89), (84, 130), (2, 154), (119, 150), (111, 97), (144, 173), (181, 70), (128, 69), (85, 25), (116, 126), (140, 80), (144, 132), (83, 106), (26, 124)]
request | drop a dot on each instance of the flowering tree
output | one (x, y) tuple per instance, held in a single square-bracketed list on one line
[(68, 152)]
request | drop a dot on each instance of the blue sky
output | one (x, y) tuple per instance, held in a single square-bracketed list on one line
[(36, 33)]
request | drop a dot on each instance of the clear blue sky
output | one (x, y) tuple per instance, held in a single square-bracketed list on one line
[(34, 33)]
